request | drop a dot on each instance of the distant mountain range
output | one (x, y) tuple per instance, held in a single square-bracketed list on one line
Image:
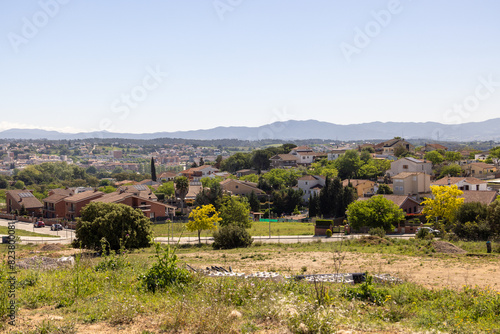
[(298, 130)]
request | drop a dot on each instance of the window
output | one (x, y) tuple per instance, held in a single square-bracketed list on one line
[(405, 166)]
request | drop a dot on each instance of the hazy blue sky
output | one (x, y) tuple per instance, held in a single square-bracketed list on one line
[(151, 65)]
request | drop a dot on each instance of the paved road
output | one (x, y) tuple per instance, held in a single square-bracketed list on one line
[(66, 236)]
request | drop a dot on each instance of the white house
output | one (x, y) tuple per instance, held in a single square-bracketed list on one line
[(310, 185), (463, 183)]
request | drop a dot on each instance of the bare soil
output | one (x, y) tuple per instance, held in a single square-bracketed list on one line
[(452, 271)]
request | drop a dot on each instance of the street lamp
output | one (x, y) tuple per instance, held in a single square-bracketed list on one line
[(269, 213)]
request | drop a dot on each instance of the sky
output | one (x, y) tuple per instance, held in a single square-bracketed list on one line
[(169, 65)]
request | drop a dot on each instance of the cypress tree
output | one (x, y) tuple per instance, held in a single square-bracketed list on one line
[(153, 170)]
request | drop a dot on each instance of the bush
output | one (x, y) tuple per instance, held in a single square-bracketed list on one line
[(473, 231), (328, 233), (231, 236), (119, 224), (379, 231), (424, 233), (165, 271), (324, 223)]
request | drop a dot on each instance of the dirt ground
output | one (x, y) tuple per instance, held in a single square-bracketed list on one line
[(451, 271)]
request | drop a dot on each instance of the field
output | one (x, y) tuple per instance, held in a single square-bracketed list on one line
[(444, 289), (257, 229)]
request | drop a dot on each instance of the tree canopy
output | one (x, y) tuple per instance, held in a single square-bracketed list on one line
[(119, 224), (374, 212), (203, 218), (444, 203)]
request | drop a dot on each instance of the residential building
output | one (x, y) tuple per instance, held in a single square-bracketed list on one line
[(413, 184), (410, 165), (75, 203), (434, 147), (479, 169), (463, 183), (167, 176), (150, 208), (482, 196), (310, 185), (54, 205), (244, 172), (241, 188), (404, 202), (388, 147), (363, 187), (335, 154), (284, 161), (17, 200), (196, 173)]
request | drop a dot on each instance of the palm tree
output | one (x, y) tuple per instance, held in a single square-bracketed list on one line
[(182, 188)]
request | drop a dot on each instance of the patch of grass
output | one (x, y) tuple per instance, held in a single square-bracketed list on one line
[(22, 233)]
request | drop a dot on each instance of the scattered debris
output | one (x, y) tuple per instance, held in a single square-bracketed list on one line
[(45, 263), (351, 278)]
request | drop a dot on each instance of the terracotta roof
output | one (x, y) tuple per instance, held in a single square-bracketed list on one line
[(454, 180), (26, 198), (55, 198), (399, 200), (307, 178), (354, 182), (84, 196), (284, 157), (481, 196), (480, 164), (302, 148), (404, 175)]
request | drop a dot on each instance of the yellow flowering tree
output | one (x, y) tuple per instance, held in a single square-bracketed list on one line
[(203, 218), (444, 203)]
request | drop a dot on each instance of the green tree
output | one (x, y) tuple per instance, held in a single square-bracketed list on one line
[(493, 217), (471, 212), (260, 160), (19, 185), (153, 169), (236, 162), (374, 212), (119, 224), (348, 164), (384, 189), (435, 157), (453, 156), (282, 178), (451, 170), (313, 206), (235, 210), (166, 188), (444, 203), (203, 218), (182, 188), (285, 200), (254, 202)]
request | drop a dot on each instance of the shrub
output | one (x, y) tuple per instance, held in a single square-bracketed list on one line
[(328, 233), (473, 231), (231, 236), (379, 231), (119, 224), (424, 233), (324, 223), (165, 271)]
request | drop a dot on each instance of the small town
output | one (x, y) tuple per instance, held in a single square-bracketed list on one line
[(249, 167)]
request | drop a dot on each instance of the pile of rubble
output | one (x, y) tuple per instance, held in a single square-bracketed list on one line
[(351, 278), (45, 263)]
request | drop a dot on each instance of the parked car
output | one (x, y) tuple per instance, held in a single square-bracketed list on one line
[(56, 227), (430, 229), (39, 224)]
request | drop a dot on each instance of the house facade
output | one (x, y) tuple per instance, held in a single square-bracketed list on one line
[(363, 187), (412, 184), (54, 205), (241, 188), (310, 185), (17, 200), (463, 183), (410, 165), (479, 169), (151, 209), (284, 161), (75, 203)]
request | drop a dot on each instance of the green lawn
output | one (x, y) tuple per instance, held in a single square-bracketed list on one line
[(257, 229), (23, 233)]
